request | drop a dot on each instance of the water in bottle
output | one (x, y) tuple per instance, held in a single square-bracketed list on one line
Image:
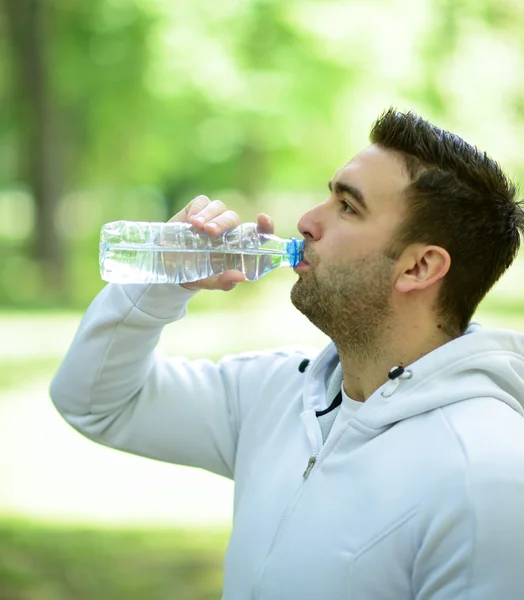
[(138, 252)]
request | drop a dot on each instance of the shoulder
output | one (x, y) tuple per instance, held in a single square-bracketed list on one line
[(482, 467), (285, 354), (265, 365), (469, 453), (281, 352), (489, 434)]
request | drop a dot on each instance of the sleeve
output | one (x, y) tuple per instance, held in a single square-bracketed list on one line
[(473, 545), (116, 388)]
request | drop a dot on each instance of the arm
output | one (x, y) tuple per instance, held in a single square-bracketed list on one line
[(473, 546), (115, 387)]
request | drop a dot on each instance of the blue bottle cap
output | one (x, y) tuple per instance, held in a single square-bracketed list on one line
[(295, 249)]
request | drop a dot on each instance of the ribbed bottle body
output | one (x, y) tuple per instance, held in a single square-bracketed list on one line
[(138, 252)]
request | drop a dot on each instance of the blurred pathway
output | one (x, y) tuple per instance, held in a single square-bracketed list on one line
[(50, 472)]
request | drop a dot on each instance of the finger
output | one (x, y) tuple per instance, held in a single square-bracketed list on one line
[(231, 286), (197, 205), (229, 279), (265, 223), (221, 223), (193, 207), (207, 212), (190, 286), (225, 281)]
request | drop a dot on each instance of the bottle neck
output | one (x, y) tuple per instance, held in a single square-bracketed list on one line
[(291, 250)]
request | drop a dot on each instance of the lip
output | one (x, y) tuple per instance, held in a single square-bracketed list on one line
[(303, 265)]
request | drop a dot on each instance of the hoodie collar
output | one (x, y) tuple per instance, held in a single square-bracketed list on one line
[(480, 363)]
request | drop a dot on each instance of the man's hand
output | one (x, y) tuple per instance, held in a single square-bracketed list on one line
[(213, 218)]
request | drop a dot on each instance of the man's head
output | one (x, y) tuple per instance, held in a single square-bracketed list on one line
[(429, 217)]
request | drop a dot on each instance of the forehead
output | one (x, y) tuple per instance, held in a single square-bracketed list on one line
[(379, 174)]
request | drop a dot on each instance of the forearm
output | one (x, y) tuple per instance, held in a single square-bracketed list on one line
[(113, 352), (117, 389)]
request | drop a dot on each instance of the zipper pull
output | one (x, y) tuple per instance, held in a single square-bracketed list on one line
[(310, 465)]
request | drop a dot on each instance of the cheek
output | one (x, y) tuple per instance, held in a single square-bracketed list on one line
[(343, 244), (346, 250), (333, 257), (350, 244)]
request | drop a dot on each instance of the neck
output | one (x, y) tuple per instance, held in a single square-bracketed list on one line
[(365, 371)]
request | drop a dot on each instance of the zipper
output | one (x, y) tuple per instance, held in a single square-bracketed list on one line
[(317, 444), (310, 466), (315, 438), (312, 427), (255, 592), (314, 435)]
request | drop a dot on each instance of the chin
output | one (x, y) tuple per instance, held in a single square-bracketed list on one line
[(301, 300)]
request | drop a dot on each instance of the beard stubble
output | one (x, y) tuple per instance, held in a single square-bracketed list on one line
[(350, 303)]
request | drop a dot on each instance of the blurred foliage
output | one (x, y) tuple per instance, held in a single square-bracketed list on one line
[(39, 562), (256, 102)]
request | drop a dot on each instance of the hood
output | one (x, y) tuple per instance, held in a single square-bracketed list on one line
[(481, 363)]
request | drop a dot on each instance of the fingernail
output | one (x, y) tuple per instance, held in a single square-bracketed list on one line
[(212, 226), (199, 220)]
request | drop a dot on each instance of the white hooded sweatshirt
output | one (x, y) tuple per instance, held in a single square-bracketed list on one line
[(418, 495)]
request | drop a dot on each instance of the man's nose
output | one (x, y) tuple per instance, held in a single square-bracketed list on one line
[(310, 224)]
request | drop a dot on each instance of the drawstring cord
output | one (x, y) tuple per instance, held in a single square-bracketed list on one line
[(395, 375)]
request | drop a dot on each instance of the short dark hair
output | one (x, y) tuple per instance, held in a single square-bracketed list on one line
[(459, 199)]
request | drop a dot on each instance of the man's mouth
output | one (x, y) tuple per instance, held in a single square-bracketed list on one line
[(303, 264)]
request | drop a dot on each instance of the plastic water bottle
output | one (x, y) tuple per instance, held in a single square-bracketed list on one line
[(135, 252)]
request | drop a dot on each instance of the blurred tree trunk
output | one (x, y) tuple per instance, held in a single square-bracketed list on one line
[(252, 172), (39, 155)]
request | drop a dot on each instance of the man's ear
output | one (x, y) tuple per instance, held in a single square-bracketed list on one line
[(421, 266)]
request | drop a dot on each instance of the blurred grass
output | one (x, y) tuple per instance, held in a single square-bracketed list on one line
[(44, 562), (16, 373), (504, 307)]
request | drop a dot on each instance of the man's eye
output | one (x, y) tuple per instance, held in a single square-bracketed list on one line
[(347, 208)]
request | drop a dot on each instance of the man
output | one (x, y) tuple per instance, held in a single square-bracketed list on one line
[(392, 465)]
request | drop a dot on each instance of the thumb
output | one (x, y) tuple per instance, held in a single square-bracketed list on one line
[(265, 223)]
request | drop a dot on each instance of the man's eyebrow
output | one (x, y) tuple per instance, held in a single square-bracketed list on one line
[(341, 188)]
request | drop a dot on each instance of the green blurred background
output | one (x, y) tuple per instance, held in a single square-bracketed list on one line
[(126, 109)]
